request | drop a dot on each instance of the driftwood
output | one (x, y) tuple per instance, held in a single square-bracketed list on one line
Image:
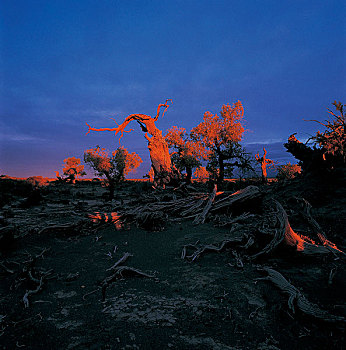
[(297, 298)]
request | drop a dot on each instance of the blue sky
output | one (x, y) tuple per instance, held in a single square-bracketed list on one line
[(64, 63)]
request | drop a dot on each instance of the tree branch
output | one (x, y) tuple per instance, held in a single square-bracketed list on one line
[(166, 105)]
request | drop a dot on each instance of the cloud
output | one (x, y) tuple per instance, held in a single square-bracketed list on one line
[(18, 137)]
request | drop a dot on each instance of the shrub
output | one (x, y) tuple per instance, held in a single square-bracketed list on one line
[(288, 171)]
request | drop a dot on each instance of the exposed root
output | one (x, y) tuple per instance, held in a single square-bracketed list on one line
[(279, 233), (296, 298), (303, 244)]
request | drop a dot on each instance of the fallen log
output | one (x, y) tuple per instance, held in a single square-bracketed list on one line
[(248, 193), (297, 298), (200, 218)]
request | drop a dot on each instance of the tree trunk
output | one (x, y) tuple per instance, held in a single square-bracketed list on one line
[(264, 172), (160, 159), (188, 174), (221, 169), (157, 145), (111, 186)]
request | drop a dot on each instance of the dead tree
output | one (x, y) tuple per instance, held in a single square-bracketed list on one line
[(157, 145), (264, 162)]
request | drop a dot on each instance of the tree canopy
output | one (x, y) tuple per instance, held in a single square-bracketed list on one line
[(219, 134), (115, 166), (72, 169), (186, 153)]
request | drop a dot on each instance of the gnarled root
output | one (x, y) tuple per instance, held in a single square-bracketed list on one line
[(303, 244), (296, 298), (198, 251)]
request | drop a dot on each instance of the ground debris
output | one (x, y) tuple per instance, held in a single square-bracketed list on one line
[(297, 298)]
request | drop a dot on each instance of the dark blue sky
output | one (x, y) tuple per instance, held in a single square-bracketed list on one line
[(64, 63)]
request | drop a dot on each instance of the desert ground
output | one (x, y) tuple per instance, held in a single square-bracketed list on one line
[(148, 271)]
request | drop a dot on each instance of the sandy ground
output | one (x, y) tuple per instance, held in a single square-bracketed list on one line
[(206, 304)]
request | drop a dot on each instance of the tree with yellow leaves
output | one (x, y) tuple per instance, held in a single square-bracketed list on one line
[(186, 154), (72, 170), (114, 167), (220, 135)]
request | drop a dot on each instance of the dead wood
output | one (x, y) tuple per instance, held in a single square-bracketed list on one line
[(297, 298), (63, 227), (332, 274), (5, 268), (239, 262), (250, 242), (279, 233), (303, 244), (306, 212), (30, 292), (151, 221), (248, 193), (223, 220), (120, 272), (200, 218), (120, 261), (203, 249)]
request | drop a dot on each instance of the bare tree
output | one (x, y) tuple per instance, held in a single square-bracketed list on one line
[(264, 162), (157, 145)]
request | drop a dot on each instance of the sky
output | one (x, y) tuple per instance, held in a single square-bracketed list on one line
[(65, 63)]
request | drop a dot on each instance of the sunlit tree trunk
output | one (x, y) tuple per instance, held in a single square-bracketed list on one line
[(264, 162), (157, 145)]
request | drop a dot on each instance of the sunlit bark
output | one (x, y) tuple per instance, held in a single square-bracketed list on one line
[(157, 145), (264, 162)]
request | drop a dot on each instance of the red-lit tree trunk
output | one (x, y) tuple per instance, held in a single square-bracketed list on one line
[(157, 145), (264, 162)]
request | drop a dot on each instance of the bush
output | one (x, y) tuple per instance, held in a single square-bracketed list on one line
[(288, 171)]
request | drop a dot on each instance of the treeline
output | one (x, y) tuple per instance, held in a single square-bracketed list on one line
[(211, 151)]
